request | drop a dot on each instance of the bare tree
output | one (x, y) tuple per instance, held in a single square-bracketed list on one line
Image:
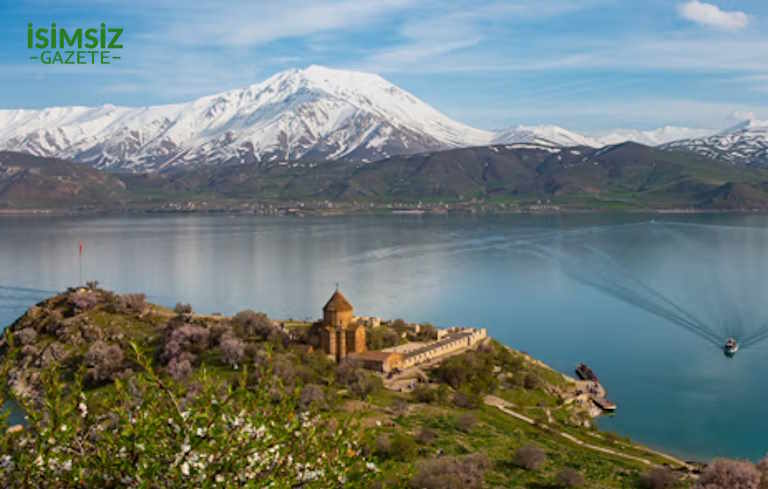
[(529, 457), (134, 302), (659, 478), (569, 477), (251, 323), (232, 349), (466, 422), (729, 474), (467, 472)]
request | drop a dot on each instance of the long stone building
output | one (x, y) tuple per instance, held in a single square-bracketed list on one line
[(451, 341), (340, 335)]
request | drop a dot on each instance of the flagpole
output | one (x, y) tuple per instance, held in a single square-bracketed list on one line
[(80, 255)]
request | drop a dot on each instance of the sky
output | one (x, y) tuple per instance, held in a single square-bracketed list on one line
[(587, 65)]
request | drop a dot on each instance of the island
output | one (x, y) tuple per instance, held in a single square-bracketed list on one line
[(119, 392)]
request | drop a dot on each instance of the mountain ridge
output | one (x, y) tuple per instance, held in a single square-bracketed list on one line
[(315, 113), (312, 114), (498, 178), (745, 144)]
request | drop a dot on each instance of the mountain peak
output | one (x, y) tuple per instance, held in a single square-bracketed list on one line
[(745, 143), (546, 135), (315, 113)]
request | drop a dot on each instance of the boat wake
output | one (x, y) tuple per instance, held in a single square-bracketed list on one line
[(728, 320)]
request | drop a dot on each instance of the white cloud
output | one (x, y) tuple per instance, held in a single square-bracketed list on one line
[(255, 23), (713, 16), (743, 115)]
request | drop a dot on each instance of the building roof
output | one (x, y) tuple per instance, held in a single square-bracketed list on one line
[(338, 303), (374, 355)]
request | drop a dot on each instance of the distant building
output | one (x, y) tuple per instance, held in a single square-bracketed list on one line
[(368, 321), (379, 361), (340, 334)]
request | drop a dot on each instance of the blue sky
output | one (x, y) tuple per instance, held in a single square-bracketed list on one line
[(588, 65)]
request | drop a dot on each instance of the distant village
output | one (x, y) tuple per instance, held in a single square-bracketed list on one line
[(342, 336)]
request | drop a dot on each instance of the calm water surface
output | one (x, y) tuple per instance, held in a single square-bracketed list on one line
[(675, 390)]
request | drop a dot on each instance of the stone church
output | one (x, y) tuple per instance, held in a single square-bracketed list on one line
[(340, 334)]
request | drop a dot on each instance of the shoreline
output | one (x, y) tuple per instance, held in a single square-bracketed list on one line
[(414, 212)]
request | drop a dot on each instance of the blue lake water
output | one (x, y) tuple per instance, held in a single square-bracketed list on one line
[(674, 388)]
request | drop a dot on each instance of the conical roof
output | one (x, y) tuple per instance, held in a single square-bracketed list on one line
[(338, 303)]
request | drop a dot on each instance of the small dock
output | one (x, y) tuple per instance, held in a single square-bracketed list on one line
[(594, 389), (604, 404)]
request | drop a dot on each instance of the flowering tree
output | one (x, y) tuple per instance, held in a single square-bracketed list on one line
[(149, 431)]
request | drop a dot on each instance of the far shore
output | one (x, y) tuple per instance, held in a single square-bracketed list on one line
[(366, 211)]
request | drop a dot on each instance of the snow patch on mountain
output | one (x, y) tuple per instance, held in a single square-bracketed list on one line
[(654, 137), (544, 135), (743, 144)]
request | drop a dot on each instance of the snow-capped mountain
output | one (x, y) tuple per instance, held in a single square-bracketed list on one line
[(655, 137), (546, 135), (314, 113), (743, 144)]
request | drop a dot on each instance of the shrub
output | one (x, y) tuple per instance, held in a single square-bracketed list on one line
[(319, 364), (379, 338), (359, 382), (133, 302), (25, 336), (284, 369), (423, 393), (659, 478), (186, 338), (472, 370), (399, 407), (312, 395), (467, 472), (250, 323), (467, 400), (399, 326), (403, 447), (729, 474), (466, 422), (569, 477), (531, 381), (181, 366), (102, 361), (426, 436), (182, 308), (762, 466), (232, 349), (529, 457), (84, 301)]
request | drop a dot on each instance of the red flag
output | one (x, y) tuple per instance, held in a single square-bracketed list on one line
[(81, 247)]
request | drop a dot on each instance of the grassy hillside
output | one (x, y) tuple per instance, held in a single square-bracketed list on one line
[(504, 178), (625, 176), (488, 418), (31, 182)]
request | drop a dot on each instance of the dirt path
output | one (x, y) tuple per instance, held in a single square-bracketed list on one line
[(504, 406)]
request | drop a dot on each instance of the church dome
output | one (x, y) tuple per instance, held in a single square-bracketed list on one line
[(338, 303)]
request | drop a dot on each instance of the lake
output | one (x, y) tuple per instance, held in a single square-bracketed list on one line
[(538, 283)]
